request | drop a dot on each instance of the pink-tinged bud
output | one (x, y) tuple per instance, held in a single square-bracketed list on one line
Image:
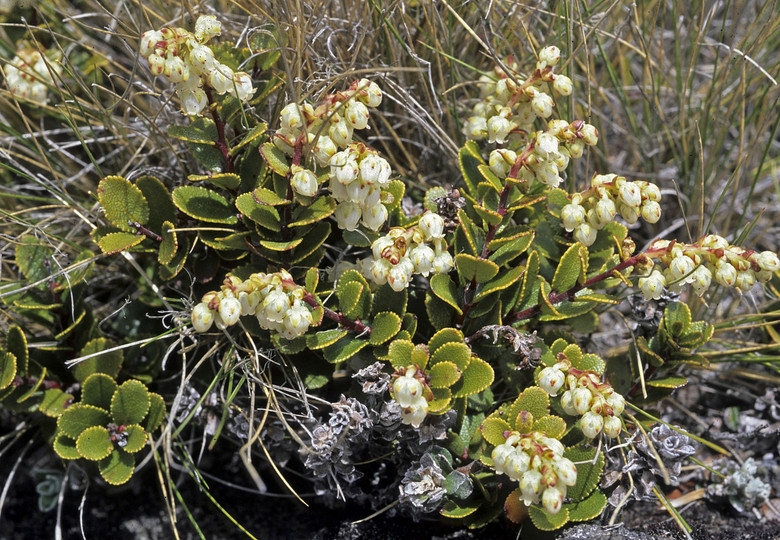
[(590, 135), (651, 192), (230, 310), (356, 114), (202, 317), (551, 380), (566, 471), (612, 427), (768, 260), (581, 400), (617, 403), (149, 42), (156, 64), (591, 424), (370, 94), (651, 211), (726, 274), (552, 499), (562, 85)]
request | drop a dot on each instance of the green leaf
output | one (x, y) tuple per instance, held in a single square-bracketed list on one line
[(109, 362), (156, 413), (320, 340), (459, 509), (592, 362), (512, 249), (16, 344), (384, 326), (117, 468), (400, 353), (65, 447), (98, 390), (130, 403), (76, 418), (136, 439), (544, 521), (251, 136), (677, 318), (488, 216), (229, 181), (588, 471), (172, 269), (192, 134), (668, 382), (530, 282), (118, 241), (312, 241), (281, 246), (158, 197), (443, 336), (475, 268), (395, 189), (354, 295), (444, 374), (262, 214), (94, 443), (312, 279), (477, 376), (493, 430), (553, 426), (343, 349), (440, 314), (469, 159), (457, 353), (420, 356), (386, 299), (7, 369), (534, 400), (495, 182), (442, 397), (204, 204), (54, 402), (169, 244), (314, 381), (503, 281), (275, 158), (445, 289), (123, 203), (587, 509), (321, 208), (569, 269)]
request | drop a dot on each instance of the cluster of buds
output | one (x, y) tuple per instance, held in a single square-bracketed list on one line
[(356, 173), (585, 395), (184, 59), (536, 461), (608, 196), (410, 389), (697, 264), (29, 74), (404, 252), (274, 299)]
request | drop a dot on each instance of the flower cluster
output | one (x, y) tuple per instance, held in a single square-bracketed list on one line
[(609, 195), (30, 72), (404, 252), (536, 461), (356, 174), (274, 299), (184, 59), (597, 402), (410, 389), (697, 264)]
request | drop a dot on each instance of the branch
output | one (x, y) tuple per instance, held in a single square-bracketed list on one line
[(340, 318)]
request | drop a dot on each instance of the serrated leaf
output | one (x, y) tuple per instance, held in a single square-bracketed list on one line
[(312, 280), (108, 362), (94, 443), (534, 400), (384, 326), (553, 426), (158, 197), (119, 241), (172, 269), (262, 214), (117, 468), (544, 521), (419, 356), (252, 135), (191, 134), (523, 422), (444, 288), (7, 369), (65, 447), (354, 295), (76, 418), (442, 398), (98, 389), (54, 402), (320, 209), (386, 299), (493, 430), (488, 216), (156, 413), (514, 507), (677, 318), (16, 344), (569, 269), (130, 403), (440, 314), (275, 158), (477, 376), (204, 204), (169, 244), (475, 268), (344, 349), (459, 509), (588, 471), (465, 235), (592, 362), (325, 338), (457, 353), (136, 439), (229, 181), (400, 353), (444, 374), (588, 508), (122, 202), (443, 336), (530, 282)]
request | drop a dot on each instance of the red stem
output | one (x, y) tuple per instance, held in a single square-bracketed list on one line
[(221, 142), (340, 318)]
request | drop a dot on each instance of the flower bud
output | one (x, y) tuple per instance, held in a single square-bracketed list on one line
[(398, 278), (562, 85), (546, 144), (249, 302), (551, 380), (344, 167), (590, 135), (276, 305), (375, 217), (303, 181), (501, 161), (651, 192), (230, 310), (591, 424), (356, 114), (542, 105), (630, 194), (206, 27), (702, 277), (476, 128), (612, 426), (547, 173), (201, 59), (651, 211), (297, 319), (422, 257), (244, 89), (552, 499), (566, 403), (566, 471), (745, 280), (415, 415), (576, 149), (530, 486), (550, 55), (202, 317), (652, 287), (193, 101), (221, 78), (629, 213), (500, 455), (431, 225), (370, 94), (517, 463), (767, 260), (175, 70), (498, 129), (581, 400), (572, 216), (341, 133), (605, 210), (156, 64), (726, 274), (681, 267), (585, 234), (443, 262), (291, 117), (347, 215), (375, 170), (380, 269), (149, 42)]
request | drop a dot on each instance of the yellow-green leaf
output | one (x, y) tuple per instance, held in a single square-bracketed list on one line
[(118, 241), (123, 203), (384, 326), (444, 288), (444, 374), (117, 468), (477, 376), (130, 403), (457, 353), (94, 443), (204, 204), (493, 430), (475, 268), (169, 243)]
